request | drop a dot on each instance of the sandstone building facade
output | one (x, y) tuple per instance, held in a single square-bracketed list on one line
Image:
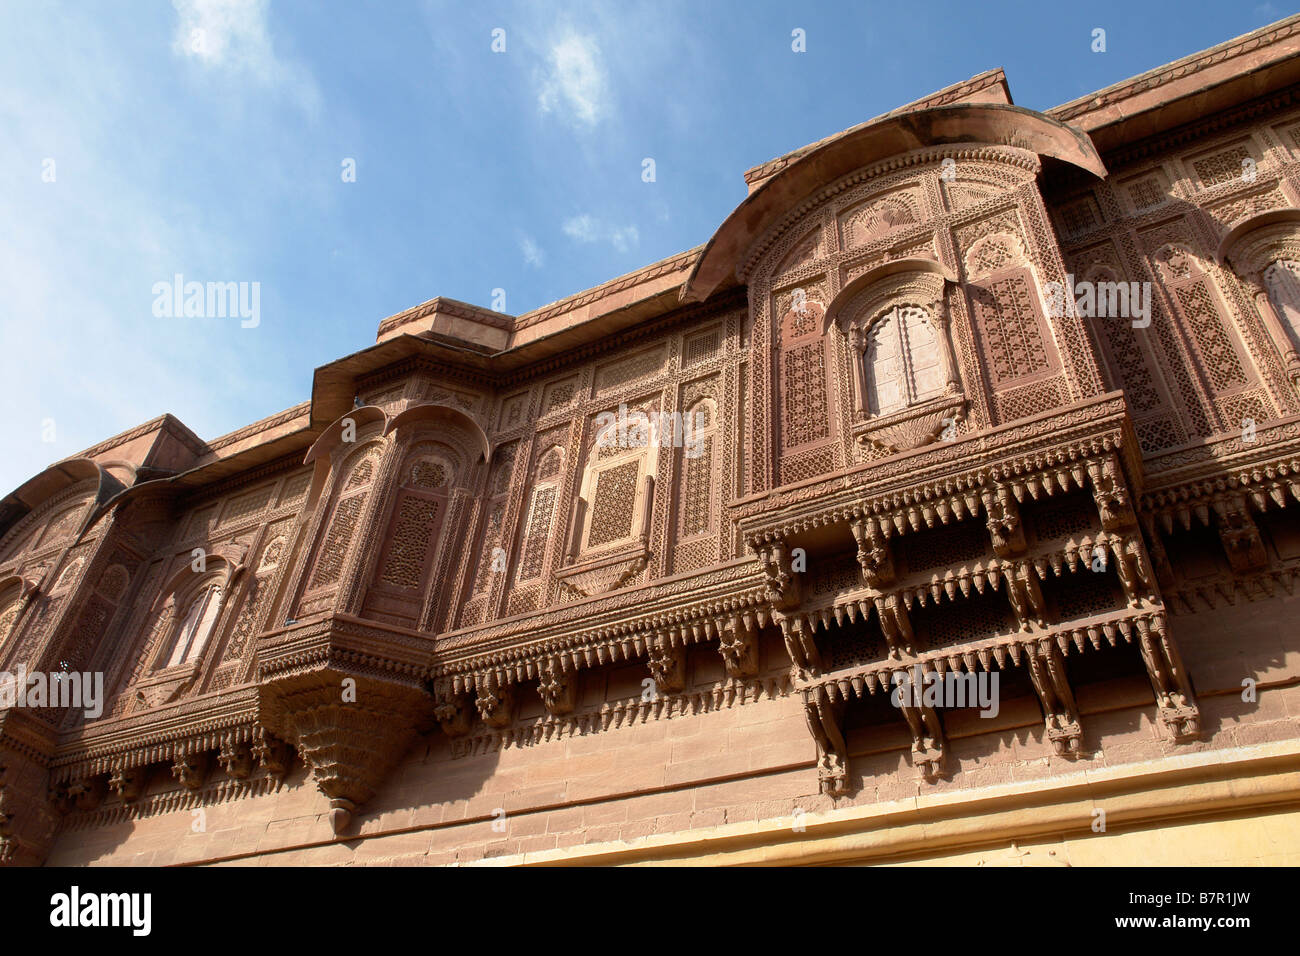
[(430, 616)]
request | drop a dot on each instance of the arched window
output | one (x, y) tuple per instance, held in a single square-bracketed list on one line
[(906, 386), (354, 486), (903, 360), (10, 606), (614, 494), (1282, 282), (1264, 251), (195, 625)]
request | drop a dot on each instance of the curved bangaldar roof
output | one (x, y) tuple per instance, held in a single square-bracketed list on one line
[(987, 123)]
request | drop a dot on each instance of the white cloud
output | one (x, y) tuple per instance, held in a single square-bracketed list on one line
[(533, 254), (585, 228), (575, 82), (232, 35), (582, 228)]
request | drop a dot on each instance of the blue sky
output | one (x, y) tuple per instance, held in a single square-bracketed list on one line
[(208, 137)]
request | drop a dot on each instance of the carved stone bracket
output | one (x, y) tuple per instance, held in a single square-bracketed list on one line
[(557, 689), (1047, 673), (127, 782), (1025, 594), (495, 701), (272, 754), (927, 731), (191, 769), (875, 556), (895, 624), (825, 721), (1240, 535), (235, 759), (1175, 702), (667, 666), (85, 793), (739, 647), (450, 709), (350, 698), (801, 647), (1002, 515), (781, 582), (1111, 494), (1133, 567)]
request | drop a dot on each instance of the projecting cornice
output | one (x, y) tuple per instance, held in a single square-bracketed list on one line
[(990, 124)]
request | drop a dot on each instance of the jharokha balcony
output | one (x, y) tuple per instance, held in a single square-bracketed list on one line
[(434, 590)]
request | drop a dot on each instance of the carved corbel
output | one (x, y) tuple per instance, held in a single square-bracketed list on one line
[(236, 760), (1002, 515), (451, 710), (667, 666), (1025, 594), (87, 793), (1174, 700), (271, 753), (1240, 535), (824, 723), (191, 769), (1111, 494), (875, 556), (739, 647), (1133, 568), (59, 797), (127, 782), (801, 647), (923, 722), (1164, 572), (782, 585), (495, 702), (895, 624), (1061, 715), (557, 689)]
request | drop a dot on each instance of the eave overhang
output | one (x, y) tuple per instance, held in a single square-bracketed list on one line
[(988, 123)]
